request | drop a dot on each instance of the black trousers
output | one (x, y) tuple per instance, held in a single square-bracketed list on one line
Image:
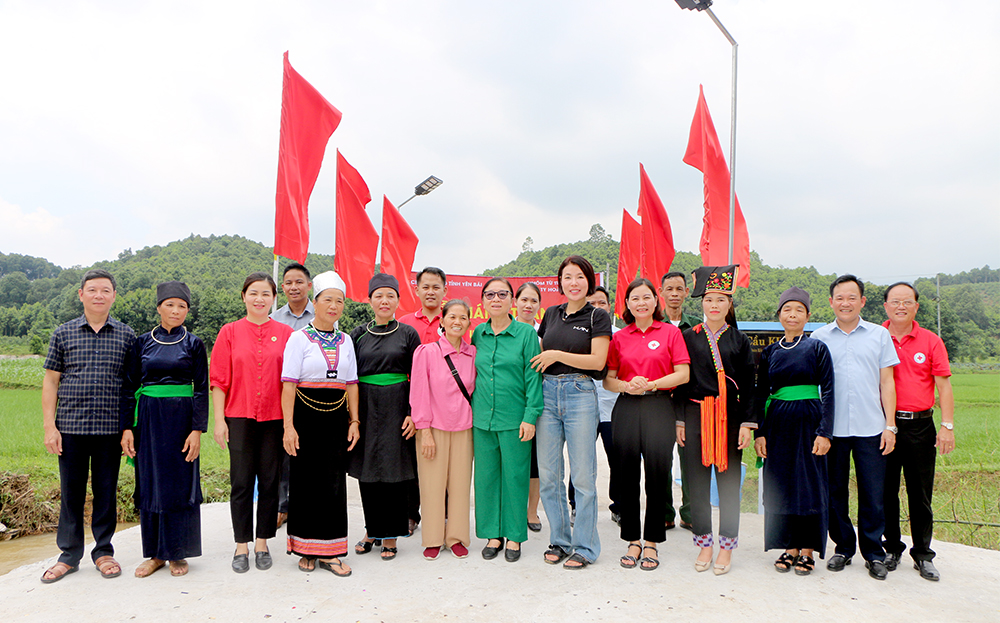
[(385, 505), (97, 457), (644, 434), (283, 486), (869, 468), (914, 456), (255, 452), (700, 479), (605, 430)]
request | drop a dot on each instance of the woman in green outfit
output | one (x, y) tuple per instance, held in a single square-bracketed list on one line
[(505, 405)]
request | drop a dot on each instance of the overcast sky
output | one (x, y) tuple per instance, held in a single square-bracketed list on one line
[(868, 137)]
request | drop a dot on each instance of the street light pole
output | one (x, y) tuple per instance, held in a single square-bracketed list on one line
[(705, 5), (423, 188)]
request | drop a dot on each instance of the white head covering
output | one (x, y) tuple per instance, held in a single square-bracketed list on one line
[(327, 280)]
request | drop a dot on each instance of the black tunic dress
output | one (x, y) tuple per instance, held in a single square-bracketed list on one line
[(795, 479), (168, 488)]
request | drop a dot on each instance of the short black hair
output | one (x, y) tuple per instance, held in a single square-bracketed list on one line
[(588, 271), (524, 286), (502, 280), (296, 266), (671, 275), (603, 291), (253, 278), (98, 273), (846, 279), (916, 295), (433, 270), (638, 283)]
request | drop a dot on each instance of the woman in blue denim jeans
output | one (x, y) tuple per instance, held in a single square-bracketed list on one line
[(575, 337)]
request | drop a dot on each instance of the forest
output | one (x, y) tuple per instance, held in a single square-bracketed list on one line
[(36, 295)]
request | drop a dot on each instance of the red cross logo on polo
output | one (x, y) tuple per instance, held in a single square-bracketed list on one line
[(920, 357), (653, 345)]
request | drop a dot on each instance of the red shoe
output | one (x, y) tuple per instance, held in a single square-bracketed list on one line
[(459, 550), (431, 553)]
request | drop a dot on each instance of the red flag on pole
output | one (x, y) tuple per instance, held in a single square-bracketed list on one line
[(357, 240), (657, 238), (399, 246), (629, 257), (307, 121), (704, 152)]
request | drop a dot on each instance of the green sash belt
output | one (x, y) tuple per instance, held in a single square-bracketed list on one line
[(790, 393), (389, 378), (158, 391), (161, 391)]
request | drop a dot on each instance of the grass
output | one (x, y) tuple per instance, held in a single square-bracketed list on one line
[(967, 485)]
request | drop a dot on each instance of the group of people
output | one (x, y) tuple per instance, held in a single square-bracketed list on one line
[(407, 406)]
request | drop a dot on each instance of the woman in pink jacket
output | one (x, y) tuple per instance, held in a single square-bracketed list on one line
[(441, 383)]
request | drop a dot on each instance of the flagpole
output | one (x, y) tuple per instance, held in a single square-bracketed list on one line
[(274, 304), (732, 141)]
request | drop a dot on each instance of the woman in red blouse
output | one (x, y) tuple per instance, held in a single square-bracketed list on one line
[(646, 360), (245, 374)]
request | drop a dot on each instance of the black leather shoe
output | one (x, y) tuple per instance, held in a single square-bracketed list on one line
[(489, 553), (241, 563), (535, 527), (837, 562), (512, 555), (876, 569), (262, 560), (927, 570), (891, 561)]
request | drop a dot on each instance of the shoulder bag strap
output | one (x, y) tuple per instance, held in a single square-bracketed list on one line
[(458, 379)]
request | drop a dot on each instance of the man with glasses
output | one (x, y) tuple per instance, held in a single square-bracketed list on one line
[(864, 426), (923, 366)]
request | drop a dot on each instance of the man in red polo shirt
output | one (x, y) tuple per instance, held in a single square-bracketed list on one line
[(923, 366), (432, 287)]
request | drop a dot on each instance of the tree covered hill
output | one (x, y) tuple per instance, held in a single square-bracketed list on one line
[(36, 295)]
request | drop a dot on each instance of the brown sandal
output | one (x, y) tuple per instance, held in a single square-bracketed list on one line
[(58, 571), (105, 564), (178, 567), (149, 567)]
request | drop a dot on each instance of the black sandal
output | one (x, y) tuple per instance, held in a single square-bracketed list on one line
[(333, 566), (784, 563), (576, 558), (307, 560), (388, 550), (652, 562), (804, 565), (627, 561), (363, 547), (558, 552)]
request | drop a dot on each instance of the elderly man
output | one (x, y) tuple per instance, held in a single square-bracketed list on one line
[(923, 366), (674, 289), (864, 426), (81, 410)]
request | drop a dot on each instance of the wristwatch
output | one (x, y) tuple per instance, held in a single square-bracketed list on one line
[(948, 425), (892, 429)]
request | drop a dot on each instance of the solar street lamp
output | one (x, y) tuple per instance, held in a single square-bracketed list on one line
[(423, 188)]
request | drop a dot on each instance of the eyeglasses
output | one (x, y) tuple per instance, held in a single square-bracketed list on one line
[(500, 294), (908, 303)]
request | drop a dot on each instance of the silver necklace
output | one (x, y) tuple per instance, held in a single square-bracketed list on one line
[(152, 334), (371, 324), (794, 344)]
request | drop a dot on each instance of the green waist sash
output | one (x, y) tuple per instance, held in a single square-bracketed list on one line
[(790, 393), (161, 391), (389, 378), (158, 391)]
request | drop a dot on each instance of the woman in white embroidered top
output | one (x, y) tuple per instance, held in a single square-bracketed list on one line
[(319, 400), (441, 384)]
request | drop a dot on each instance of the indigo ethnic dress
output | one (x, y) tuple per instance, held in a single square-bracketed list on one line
[(321, 364), (795, 479), (167, 373)]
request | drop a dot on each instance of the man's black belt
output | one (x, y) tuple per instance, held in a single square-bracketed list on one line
[(914, 415)]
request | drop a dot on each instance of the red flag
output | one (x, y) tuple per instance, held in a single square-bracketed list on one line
[(629, 257), (704, 152), (657, 238), (357, 240), (307, 121), (399, 246)]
